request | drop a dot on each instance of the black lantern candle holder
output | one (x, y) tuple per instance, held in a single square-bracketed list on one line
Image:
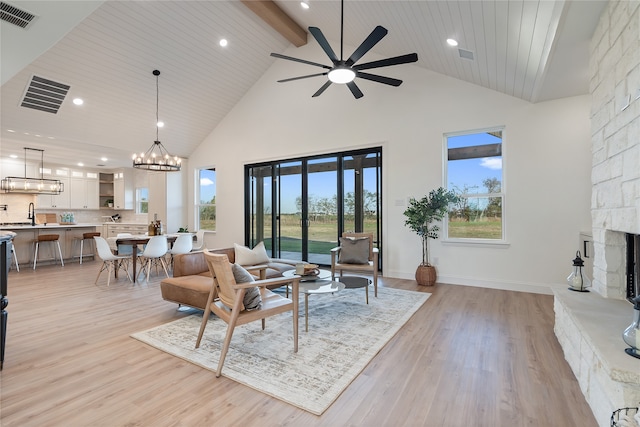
[(578, 280)]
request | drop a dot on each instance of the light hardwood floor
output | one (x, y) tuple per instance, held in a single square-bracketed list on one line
[(468, 357)]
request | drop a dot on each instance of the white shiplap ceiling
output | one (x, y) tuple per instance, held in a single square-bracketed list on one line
[(534, 50)]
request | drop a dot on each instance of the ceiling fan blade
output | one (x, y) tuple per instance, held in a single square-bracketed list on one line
[(355, 90), (380, 79), (301, 77), (396, 60), (324, 44), (322, 89), (376, 35), (290, 58)]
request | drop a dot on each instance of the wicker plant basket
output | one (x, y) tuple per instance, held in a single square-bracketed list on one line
[(426, 275)]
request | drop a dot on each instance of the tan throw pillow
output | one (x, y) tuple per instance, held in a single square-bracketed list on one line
[(252, 299), (354, 250), (246, 256)]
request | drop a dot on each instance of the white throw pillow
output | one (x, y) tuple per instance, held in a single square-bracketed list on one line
[(246, 256)]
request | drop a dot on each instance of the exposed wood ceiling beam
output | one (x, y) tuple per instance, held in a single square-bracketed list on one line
[(279, 20)]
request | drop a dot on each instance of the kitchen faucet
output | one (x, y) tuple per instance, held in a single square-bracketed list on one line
[(32, 214)]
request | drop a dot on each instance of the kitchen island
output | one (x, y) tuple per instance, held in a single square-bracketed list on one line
[(70, 237)]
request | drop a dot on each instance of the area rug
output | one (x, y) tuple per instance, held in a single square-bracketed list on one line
[(344, 335)]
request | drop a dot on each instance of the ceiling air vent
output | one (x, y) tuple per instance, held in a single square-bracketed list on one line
[(466, 54), (44, 95), (15, 16)]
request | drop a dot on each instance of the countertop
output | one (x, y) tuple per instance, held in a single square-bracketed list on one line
[(41, 226), (126, 223)]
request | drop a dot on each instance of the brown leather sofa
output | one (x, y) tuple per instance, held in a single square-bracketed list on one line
[(191, 279)]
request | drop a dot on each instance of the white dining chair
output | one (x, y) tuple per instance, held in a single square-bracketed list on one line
[(154, 253), (110, 262), (182, 245), (199, 243)]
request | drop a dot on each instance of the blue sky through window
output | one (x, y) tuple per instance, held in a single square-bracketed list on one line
[(471, 172), (207, 185)]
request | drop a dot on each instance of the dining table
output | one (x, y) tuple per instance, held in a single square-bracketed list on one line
[(134, 241)]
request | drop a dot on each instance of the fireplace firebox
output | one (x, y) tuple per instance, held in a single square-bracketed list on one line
[(633, 266)]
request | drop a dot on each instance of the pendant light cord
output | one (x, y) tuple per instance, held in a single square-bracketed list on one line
[(157, 73)]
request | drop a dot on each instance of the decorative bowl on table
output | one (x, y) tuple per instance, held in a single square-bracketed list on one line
[(311, 270)]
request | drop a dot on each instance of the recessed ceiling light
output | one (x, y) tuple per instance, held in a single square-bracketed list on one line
[(80, 164), (78, 101), (304, 5), (104, 159), (452, 42), (11, 130), (13, 156), (160, 124), (223, 42)]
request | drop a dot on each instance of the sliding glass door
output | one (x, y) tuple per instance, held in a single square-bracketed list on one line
[(300, 207)]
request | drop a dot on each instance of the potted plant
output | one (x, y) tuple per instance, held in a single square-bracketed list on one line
[(421, 214), (109, 203)]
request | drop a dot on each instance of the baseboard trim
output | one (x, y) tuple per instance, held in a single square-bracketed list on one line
[(536, 288)]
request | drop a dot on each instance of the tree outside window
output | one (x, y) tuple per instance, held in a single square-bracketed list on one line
[(142, 200), (474, 171), (206, 207)]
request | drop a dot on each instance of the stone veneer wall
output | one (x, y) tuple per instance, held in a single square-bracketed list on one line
[(615, 83), (589, 326)]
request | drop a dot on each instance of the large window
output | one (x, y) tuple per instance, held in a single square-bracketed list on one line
[(142, 200), (206, 207), (474, 166)]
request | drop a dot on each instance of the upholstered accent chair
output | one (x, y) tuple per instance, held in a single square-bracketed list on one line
[(355, 254), (227, 296)]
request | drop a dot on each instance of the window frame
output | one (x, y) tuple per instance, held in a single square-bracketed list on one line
[(199, 204), (502, 194), (139, 201)]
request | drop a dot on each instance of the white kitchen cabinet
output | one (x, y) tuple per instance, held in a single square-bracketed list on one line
[(112, 230), (84, 192), (123, 189), (58, 201)]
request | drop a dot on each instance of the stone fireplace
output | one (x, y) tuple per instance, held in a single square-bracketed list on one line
[(616, 265), (589, 325)]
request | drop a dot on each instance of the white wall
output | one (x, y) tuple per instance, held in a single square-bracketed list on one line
[(547, 162)]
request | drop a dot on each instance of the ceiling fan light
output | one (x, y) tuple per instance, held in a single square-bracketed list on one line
[(342, 75)]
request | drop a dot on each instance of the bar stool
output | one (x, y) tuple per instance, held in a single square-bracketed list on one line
[(15, 257), (87, 236), (47, 238)]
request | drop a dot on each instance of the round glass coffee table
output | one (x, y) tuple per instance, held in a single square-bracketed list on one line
[(311, 285)]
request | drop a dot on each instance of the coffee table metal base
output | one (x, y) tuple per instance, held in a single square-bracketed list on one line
[(352, 282)]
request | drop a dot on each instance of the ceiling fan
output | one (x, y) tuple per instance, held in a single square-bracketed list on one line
[(344, 72)]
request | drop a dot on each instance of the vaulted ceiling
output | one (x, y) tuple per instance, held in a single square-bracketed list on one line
[(106, 52)]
